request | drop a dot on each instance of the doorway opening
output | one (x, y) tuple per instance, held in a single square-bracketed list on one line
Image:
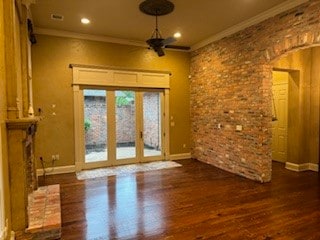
[(295, 110), (122, 126), (120, 116), (280, 82)]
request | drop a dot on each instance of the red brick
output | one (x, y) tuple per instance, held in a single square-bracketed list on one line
[(235, 74)]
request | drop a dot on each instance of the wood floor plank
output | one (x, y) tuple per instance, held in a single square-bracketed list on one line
[(195, 201)]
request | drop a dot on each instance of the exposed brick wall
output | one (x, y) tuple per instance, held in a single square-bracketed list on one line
[(231, 85), (95, 112), (125, 124), (151, 121)]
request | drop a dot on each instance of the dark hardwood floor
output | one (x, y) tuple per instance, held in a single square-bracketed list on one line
[(196, 201)]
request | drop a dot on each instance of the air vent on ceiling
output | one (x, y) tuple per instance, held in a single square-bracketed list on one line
[(57, 17)]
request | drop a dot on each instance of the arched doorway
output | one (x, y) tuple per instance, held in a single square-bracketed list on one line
[(295, 133)]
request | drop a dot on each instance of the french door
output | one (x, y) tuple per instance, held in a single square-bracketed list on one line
[(121, 126)]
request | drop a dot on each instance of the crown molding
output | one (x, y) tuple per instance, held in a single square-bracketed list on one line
[(97, 38), (60, 33), (289, 4)]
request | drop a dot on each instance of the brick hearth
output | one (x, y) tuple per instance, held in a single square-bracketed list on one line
[(44, 213)]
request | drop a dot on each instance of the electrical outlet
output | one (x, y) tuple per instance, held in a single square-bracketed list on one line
[(57, 157), (184, 145), (53, 157)]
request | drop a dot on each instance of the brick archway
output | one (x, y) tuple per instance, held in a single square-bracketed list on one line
[(293, 43)]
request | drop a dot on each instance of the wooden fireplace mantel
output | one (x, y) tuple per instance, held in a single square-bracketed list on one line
[(21, 138), (21, 123)]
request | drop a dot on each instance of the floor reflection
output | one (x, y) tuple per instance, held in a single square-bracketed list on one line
[(96, 212), (152, 209), (125, 209), (121, 209)]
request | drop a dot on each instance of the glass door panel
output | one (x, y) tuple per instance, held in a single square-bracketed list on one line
[(125, 124), (95, 125), (122, 126), (152, 124)]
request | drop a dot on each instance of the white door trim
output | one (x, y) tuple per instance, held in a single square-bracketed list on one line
[(112, 79)]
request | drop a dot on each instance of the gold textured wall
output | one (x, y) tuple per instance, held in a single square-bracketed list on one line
[(3, 117), (52, 80), (303, 104)]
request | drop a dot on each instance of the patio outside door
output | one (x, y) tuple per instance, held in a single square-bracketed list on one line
[(122, 126), (95, 120)]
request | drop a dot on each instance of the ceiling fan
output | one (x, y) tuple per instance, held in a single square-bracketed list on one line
[(159, 8)]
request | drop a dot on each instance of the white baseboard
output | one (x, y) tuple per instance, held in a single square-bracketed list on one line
[(314, 167), (72, 168), (302, 167), (57, 170), (180, 156)]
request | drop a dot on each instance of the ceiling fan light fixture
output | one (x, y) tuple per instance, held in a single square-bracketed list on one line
[(177, 35), (157, 42)]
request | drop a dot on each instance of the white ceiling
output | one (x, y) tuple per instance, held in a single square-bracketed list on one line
[(197, 20)]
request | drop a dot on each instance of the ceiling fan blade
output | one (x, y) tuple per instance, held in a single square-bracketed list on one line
[(178, 47), (159, 51), (168, 41)]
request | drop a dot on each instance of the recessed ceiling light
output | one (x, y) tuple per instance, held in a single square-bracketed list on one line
[(177, 35), (85, 20)]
